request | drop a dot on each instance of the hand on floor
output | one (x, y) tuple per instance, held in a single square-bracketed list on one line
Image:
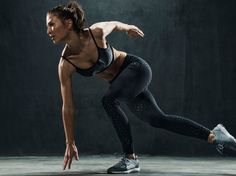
[(71, 151)]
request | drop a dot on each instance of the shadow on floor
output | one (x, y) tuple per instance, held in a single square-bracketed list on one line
[(84, 173), (142, 173)]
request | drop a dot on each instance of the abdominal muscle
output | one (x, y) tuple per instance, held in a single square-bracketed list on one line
[(109, 73)]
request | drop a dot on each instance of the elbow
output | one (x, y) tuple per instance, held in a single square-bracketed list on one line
[(67, 110), (99, 31), (116, 25)]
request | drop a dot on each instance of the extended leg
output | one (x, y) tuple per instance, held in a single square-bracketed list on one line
[(145, 107)]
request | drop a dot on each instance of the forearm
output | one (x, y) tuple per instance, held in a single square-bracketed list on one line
[(131, 30), (68, 122), (119, 26), (106, 28)]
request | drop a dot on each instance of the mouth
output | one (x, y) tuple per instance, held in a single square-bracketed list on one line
[(52, 37)]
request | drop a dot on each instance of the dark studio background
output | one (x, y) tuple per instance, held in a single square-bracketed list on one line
[(189, 44)]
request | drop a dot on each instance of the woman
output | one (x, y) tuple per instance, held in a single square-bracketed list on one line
[(87, 52)]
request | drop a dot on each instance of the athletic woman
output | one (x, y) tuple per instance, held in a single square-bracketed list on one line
[(88, 53)]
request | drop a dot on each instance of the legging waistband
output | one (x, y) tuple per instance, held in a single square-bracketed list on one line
[(129, 58)]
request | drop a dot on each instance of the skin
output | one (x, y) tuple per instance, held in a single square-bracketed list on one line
[(81, 50)]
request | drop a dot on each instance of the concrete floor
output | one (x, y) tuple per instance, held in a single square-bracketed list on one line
[(97, 165)]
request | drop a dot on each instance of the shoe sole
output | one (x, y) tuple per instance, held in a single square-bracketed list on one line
[(220, 149), (135, 170)]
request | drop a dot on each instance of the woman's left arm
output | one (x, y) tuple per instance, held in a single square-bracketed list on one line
[(105, 28)]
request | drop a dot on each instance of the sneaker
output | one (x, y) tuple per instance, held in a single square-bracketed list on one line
[(223, 140), (125, 166)]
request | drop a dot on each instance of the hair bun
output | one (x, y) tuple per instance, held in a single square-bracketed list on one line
[(78, 12)]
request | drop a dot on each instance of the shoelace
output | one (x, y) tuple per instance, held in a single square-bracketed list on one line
[(220, 136), (124, 162)]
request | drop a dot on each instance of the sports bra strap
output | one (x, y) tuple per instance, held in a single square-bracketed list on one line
[(93, 38), (70, 62)]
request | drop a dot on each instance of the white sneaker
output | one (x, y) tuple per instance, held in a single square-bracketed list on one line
[(125, 166), (223, 140)]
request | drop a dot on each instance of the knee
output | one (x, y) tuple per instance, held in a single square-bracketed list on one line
[(157, 120)]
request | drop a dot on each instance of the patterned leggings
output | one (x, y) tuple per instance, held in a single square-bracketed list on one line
[(131, 87)]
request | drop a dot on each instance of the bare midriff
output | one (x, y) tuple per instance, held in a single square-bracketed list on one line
[(109, 73)]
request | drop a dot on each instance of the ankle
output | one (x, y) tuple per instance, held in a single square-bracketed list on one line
[(211, 138), (131, 156)]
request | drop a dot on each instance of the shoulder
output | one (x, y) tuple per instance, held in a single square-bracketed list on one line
[(104, 28), (63, 65), (65, 69), (97, 29)]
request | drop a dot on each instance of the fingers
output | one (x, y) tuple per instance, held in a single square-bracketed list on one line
[(69, 154), (76, 155), (65, 162), (135, 32), (69, 162), (140, 32), (75, 152)]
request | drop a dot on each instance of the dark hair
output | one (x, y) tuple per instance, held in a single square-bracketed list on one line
[(72, 11)]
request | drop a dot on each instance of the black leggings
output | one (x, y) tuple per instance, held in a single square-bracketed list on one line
[(131, 86)]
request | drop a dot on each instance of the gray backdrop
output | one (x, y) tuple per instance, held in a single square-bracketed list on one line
[(189, 44)]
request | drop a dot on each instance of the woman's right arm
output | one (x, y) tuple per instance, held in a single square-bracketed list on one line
[(68, 105), (105, 28), (65, 75)]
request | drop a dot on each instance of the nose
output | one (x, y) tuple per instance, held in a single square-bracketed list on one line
[(49, 31)]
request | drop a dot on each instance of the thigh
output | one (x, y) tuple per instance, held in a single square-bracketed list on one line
[(134, 79)]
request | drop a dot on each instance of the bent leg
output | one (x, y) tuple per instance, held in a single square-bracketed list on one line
[(120, 122), (145, 108), (128, 84)]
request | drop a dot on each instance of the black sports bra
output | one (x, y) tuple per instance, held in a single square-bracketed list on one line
[(105, 58)]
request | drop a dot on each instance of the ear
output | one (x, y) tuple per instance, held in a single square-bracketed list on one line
[(69, 24)]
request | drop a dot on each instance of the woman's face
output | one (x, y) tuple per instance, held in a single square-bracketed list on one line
[(56, 30)]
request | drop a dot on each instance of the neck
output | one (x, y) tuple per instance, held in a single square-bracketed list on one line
[(74, 40)]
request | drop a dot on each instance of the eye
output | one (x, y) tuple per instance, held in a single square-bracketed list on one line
[(50, 24)]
